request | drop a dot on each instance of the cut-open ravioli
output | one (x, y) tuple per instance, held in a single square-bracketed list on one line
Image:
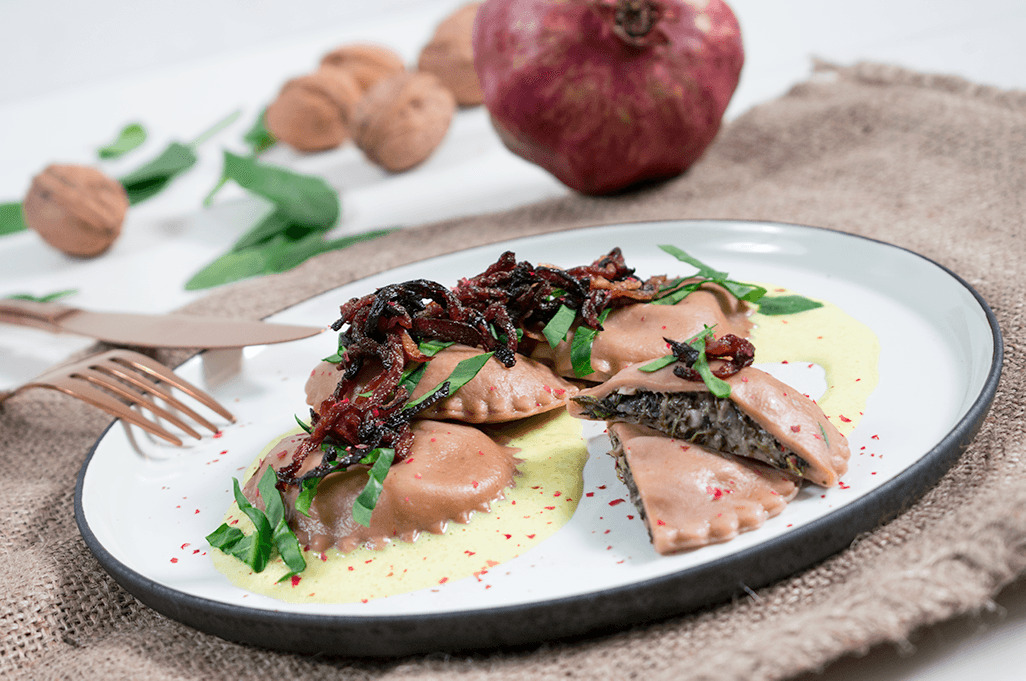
[(763, 418), (689, 496), (497, 394), (453, 471), (635, 333)]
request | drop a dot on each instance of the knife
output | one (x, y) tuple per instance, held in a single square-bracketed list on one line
[(150, 331)]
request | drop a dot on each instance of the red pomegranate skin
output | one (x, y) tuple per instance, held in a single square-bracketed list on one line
[(567, 93)]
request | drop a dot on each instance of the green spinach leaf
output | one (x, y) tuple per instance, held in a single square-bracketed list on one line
[(130, 137), (48, 298), (258, 137), (301, 199), (11, 220), (152, 177), (277, 254)]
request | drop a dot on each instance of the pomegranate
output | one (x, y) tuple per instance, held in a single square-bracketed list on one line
[(605, 94)]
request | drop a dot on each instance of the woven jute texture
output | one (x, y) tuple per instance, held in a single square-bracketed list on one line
[(934, 164)]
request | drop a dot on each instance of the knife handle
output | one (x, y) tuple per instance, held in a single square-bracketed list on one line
[(44, 316)]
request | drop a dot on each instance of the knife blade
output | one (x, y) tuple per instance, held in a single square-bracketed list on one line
[(150, 331)]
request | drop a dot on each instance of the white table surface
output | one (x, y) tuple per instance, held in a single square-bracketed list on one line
[(72, 73)]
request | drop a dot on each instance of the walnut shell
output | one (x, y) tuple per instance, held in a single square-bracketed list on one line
[(367, 63), (76, 209), (313, 112), (401, 120), (450, 55)]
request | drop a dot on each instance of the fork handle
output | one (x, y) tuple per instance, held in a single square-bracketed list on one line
[(45, 316)]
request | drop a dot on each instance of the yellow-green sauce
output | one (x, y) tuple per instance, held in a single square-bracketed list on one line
[(846, 349)]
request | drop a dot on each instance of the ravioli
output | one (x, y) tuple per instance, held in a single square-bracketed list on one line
[(453, 471), (495, 395), (636, 333), (763, 418), (690, 496)]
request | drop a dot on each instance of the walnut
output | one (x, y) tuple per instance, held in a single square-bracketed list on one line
[(367, 63), (450, 55), (76, 209), (313, 112), (401, 120)]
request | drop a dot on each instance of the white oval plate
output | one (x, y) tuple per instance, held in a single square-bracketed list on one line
[(144, 508)]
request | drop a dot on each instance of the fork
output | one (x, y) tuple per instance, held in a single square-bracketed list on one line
[(118, 379)]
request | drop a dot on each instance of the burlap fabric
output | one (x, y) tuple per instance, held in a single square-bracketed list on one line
[(934, 164)]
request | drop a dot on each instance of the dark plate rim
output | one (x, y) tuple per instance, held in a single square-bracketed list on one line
[(587, 614)]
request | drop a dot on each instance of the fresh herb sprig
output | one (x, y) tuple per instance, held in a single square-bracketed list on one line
[(700, 363), (271, 530)]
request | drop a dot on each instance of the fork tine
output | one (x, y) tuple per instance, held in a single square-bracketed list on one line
[(161, 372), (98, 398), (109, 381), (102, 380), (143, 382)]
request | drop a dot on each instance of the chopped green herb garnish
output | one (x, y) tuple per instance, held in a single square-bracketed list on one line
[(676, 292), (658, 364), (130, 137), (271, 531), (337, 357), (380, 460), (305, 426), (253, 549), (580, 348), (431, 347), (307, 492), (781, 305), (460, 376), (559, 326), (717, 386), (281, 534), (826, 438)]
